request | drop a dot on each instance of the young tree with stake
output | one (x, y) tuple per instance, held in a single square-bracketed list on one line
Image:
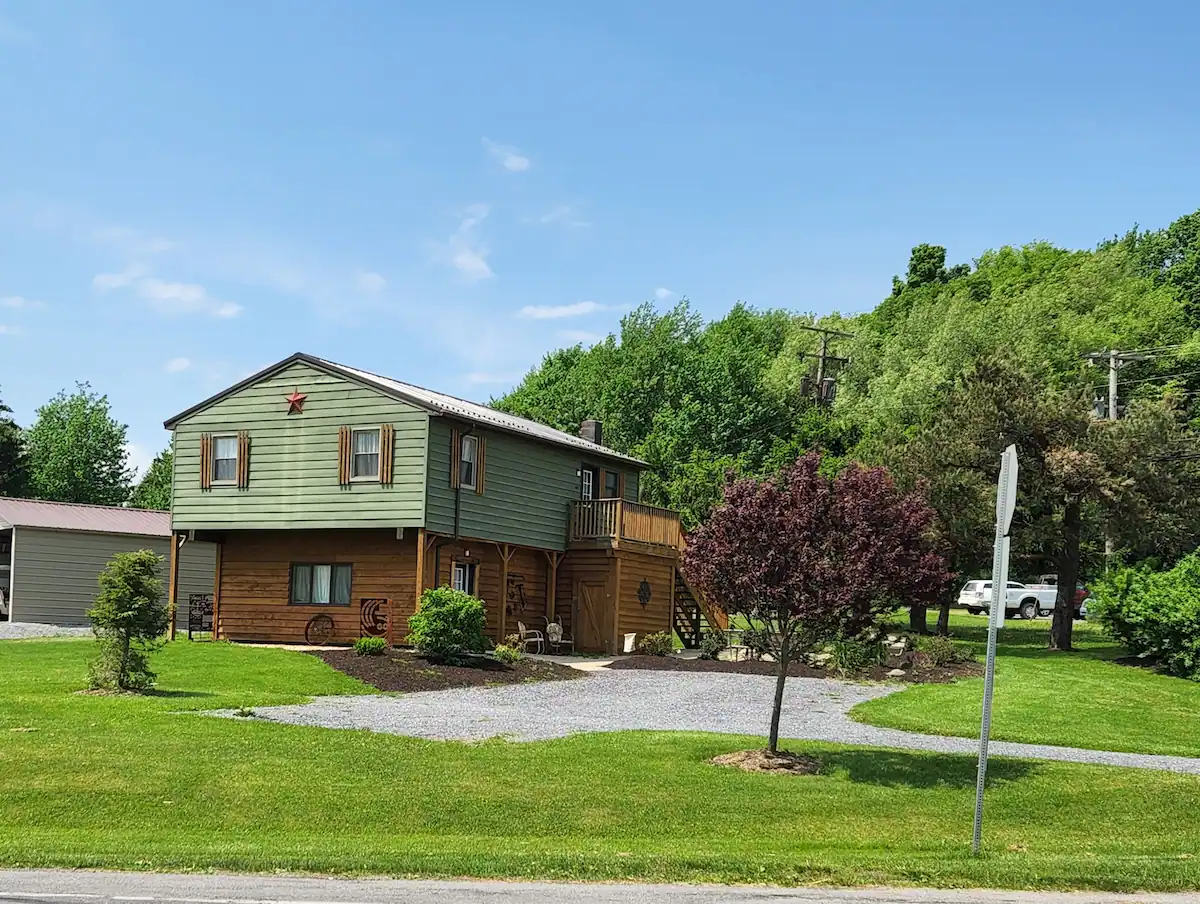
[(809, 557)]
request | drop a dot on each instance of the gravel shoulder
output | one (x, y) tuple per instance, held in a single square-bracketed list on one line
[(632, 700)]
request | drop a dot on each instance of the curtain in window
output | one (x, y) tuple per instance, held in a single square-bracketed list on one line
[(322, 575), (302, 584), (366, 453), (341, 585), (225, 458)]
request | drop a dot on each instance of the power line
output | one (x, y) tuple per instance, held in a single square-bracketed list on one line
[(825, 387), (1186, 373)]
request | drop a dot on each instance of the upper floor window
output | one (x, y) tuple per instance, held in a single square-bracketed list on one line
[(587, 487), (468, 462), (224, 459), (320, 585), (612, 484), (365, 463)]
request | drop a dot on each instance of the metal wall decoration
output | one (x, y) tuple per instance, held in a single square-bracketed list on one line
[(200, 613), (318, 630), (515, 598), (644, 592), (296, 401), (373, 617)]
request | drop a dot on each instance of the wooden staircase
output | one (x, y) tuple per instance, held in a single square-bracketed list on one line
[(693, 615)]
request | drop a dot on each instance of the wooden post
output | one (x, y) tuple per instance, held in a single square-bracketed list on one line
[(616, 618), (173, 585), (551, 583), (420, 582), (217, 593), (505, 555)]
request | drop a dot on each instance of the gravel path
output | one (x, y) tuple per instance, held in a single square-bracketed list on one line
[(813, 709), (20, 630)]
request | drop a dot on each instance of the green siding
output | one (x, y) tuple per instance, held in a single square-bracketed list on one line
[(528, 489), (294, 458)]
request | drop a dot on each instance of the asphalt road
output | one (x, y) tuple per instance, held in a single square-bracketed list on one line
[(39, 886)]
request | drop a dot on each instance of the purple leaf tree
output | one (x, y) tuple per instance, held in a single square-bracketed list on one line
[(807, 557)]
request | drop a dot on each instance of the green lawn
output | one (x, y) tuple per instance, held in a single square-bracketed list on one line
[(1080, 699), (130, 782)]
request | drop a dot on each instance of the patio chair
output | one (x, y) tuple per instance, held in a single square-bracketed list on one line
[(557, 638), (527, 636)]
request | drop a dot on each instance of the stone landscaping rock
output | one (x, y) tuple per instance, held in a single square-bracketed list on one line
[(896, 673)]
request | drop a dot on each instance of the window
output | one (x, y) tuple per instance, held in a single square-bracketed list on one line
[(224, 459), (464, 577), (365, 464), (467, 462), (612, 484), (587, 489), (320, 585)]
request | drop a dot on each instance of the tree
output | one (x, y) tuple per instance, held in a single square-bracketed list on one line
[(809, 557), (129, 619), (154, 489), (77, 451), (14, 467)]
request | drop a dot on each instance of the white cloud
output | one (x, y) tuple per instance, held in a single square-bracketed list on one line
[(18, 301), (371, 283), (464, 251), (176, 365), (105, 282), (138, 458), (507, 156), (663, 294), (581, 336), (563, 215), (558, 311), (165, 296), (479, 378)]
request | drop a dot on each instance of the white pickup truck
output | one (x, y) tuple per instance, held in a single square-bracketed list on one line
[(1025, 600)]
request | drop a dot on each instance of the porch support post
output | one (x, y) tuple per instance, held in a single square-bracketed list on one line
[(419, 587), (216, 635), (616, 607), (551, 582), (505, 557), (172, 585)]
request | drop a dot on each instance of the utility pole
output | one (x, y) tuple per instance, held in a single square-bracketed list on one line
[(825, 391)]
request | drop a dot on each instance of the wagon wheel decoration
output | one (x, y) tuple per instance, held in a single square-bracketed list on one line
[(318, 630)]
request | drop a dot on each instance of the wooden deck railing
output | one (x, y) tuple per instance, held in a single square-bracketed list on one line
[(600, 519)]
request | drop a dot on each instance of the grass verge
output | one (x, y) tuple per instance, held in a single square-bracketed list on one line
[(128, 782)]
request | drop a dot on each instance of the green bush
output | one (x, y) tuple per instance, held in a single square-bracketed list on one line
[(508, 654), (658, 644), (713, 644), (370, 646), (942, 651), (129, 619), (849, 655), (757, 642), (448, 626), (1154, 614)]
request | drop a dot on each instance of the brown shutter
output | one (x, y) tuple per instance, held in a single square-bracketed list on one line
[(480, 464), (455, 457), (243, 462), (387, 440), (343, 456), (206, 461)]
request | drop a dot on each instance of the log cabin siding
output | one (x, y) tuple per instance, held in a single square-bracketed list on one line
[(659, 574), (256, 571), (293, 459)]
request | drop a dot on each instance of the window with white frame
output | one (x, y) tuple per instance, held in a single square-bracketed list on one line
[(587, 487), (365, 464), (320, 585), (224, 459), (468, 461), (464, 577)]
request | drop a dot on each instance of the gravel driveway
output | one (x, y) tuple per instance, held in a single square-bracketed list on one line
[(21, 630), (813, 709)]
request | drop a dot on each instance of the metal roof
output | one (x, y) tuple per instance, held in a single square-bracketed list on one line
[(101, 519), (434, 402)]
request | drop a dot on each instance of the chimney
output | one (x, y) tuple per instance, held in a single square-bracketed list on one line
[(592, 431)]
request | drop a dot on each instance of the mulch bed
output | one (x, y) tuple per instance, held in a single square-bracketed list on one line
[(405, 671), (917, 669), (781, 763)]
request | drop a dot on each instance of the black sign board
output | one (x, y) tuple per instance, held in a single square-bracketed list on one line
[(200, 613)]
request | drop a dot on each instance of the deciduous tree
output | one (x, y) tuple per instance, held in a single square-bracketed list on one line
[(154, 489), (14, 470)]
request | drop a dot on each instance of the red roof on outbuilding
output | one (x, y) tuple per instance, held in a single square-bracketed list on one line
[(104, 519)]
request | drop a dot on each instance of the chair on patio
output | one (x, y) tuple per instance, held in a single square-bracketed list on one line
[(558, 639), (527, 636)]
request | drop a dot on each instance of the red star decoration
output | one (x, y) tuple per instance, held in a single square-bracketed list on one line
[(296, 402)]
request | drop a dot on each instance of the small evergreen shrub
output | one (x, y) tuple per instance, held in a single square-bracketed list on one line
[(942, 651), (713, 644), (508, 654), (129, 619), (848, 655), (1154, 614), (657, 644), (370, 646), (449, 625)]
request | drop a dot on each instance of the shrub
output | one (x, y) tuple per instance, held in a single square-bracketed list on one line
[(713, 644), (658, 644), (370, 646), (854, 654), (942, 651), (129, 619), (508, 654), (448, 626), (1154, 614), (756, 642)]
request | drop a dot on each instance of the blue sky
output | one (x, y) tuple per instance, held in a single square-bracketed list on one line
[(444, 192)]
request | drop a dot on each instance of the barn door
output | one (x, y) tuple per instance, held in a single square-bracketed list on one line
[(595, 611)]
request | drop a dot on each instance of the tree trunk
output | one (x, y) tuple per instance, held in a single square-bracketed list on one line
[(1068, 576), (917, 616), (123, 674), (781, 667), (943, 622)]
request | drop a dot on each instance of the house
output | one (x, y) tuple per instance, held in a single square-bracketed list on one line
[(336, 496), (51, 554)]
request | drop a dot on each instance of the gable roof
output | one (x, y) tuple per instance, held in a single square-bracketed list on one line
[(437, 403), (101, 519)]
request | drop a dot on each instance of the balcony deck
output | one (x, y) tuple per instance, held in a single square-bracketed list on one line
[(608, 522)]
